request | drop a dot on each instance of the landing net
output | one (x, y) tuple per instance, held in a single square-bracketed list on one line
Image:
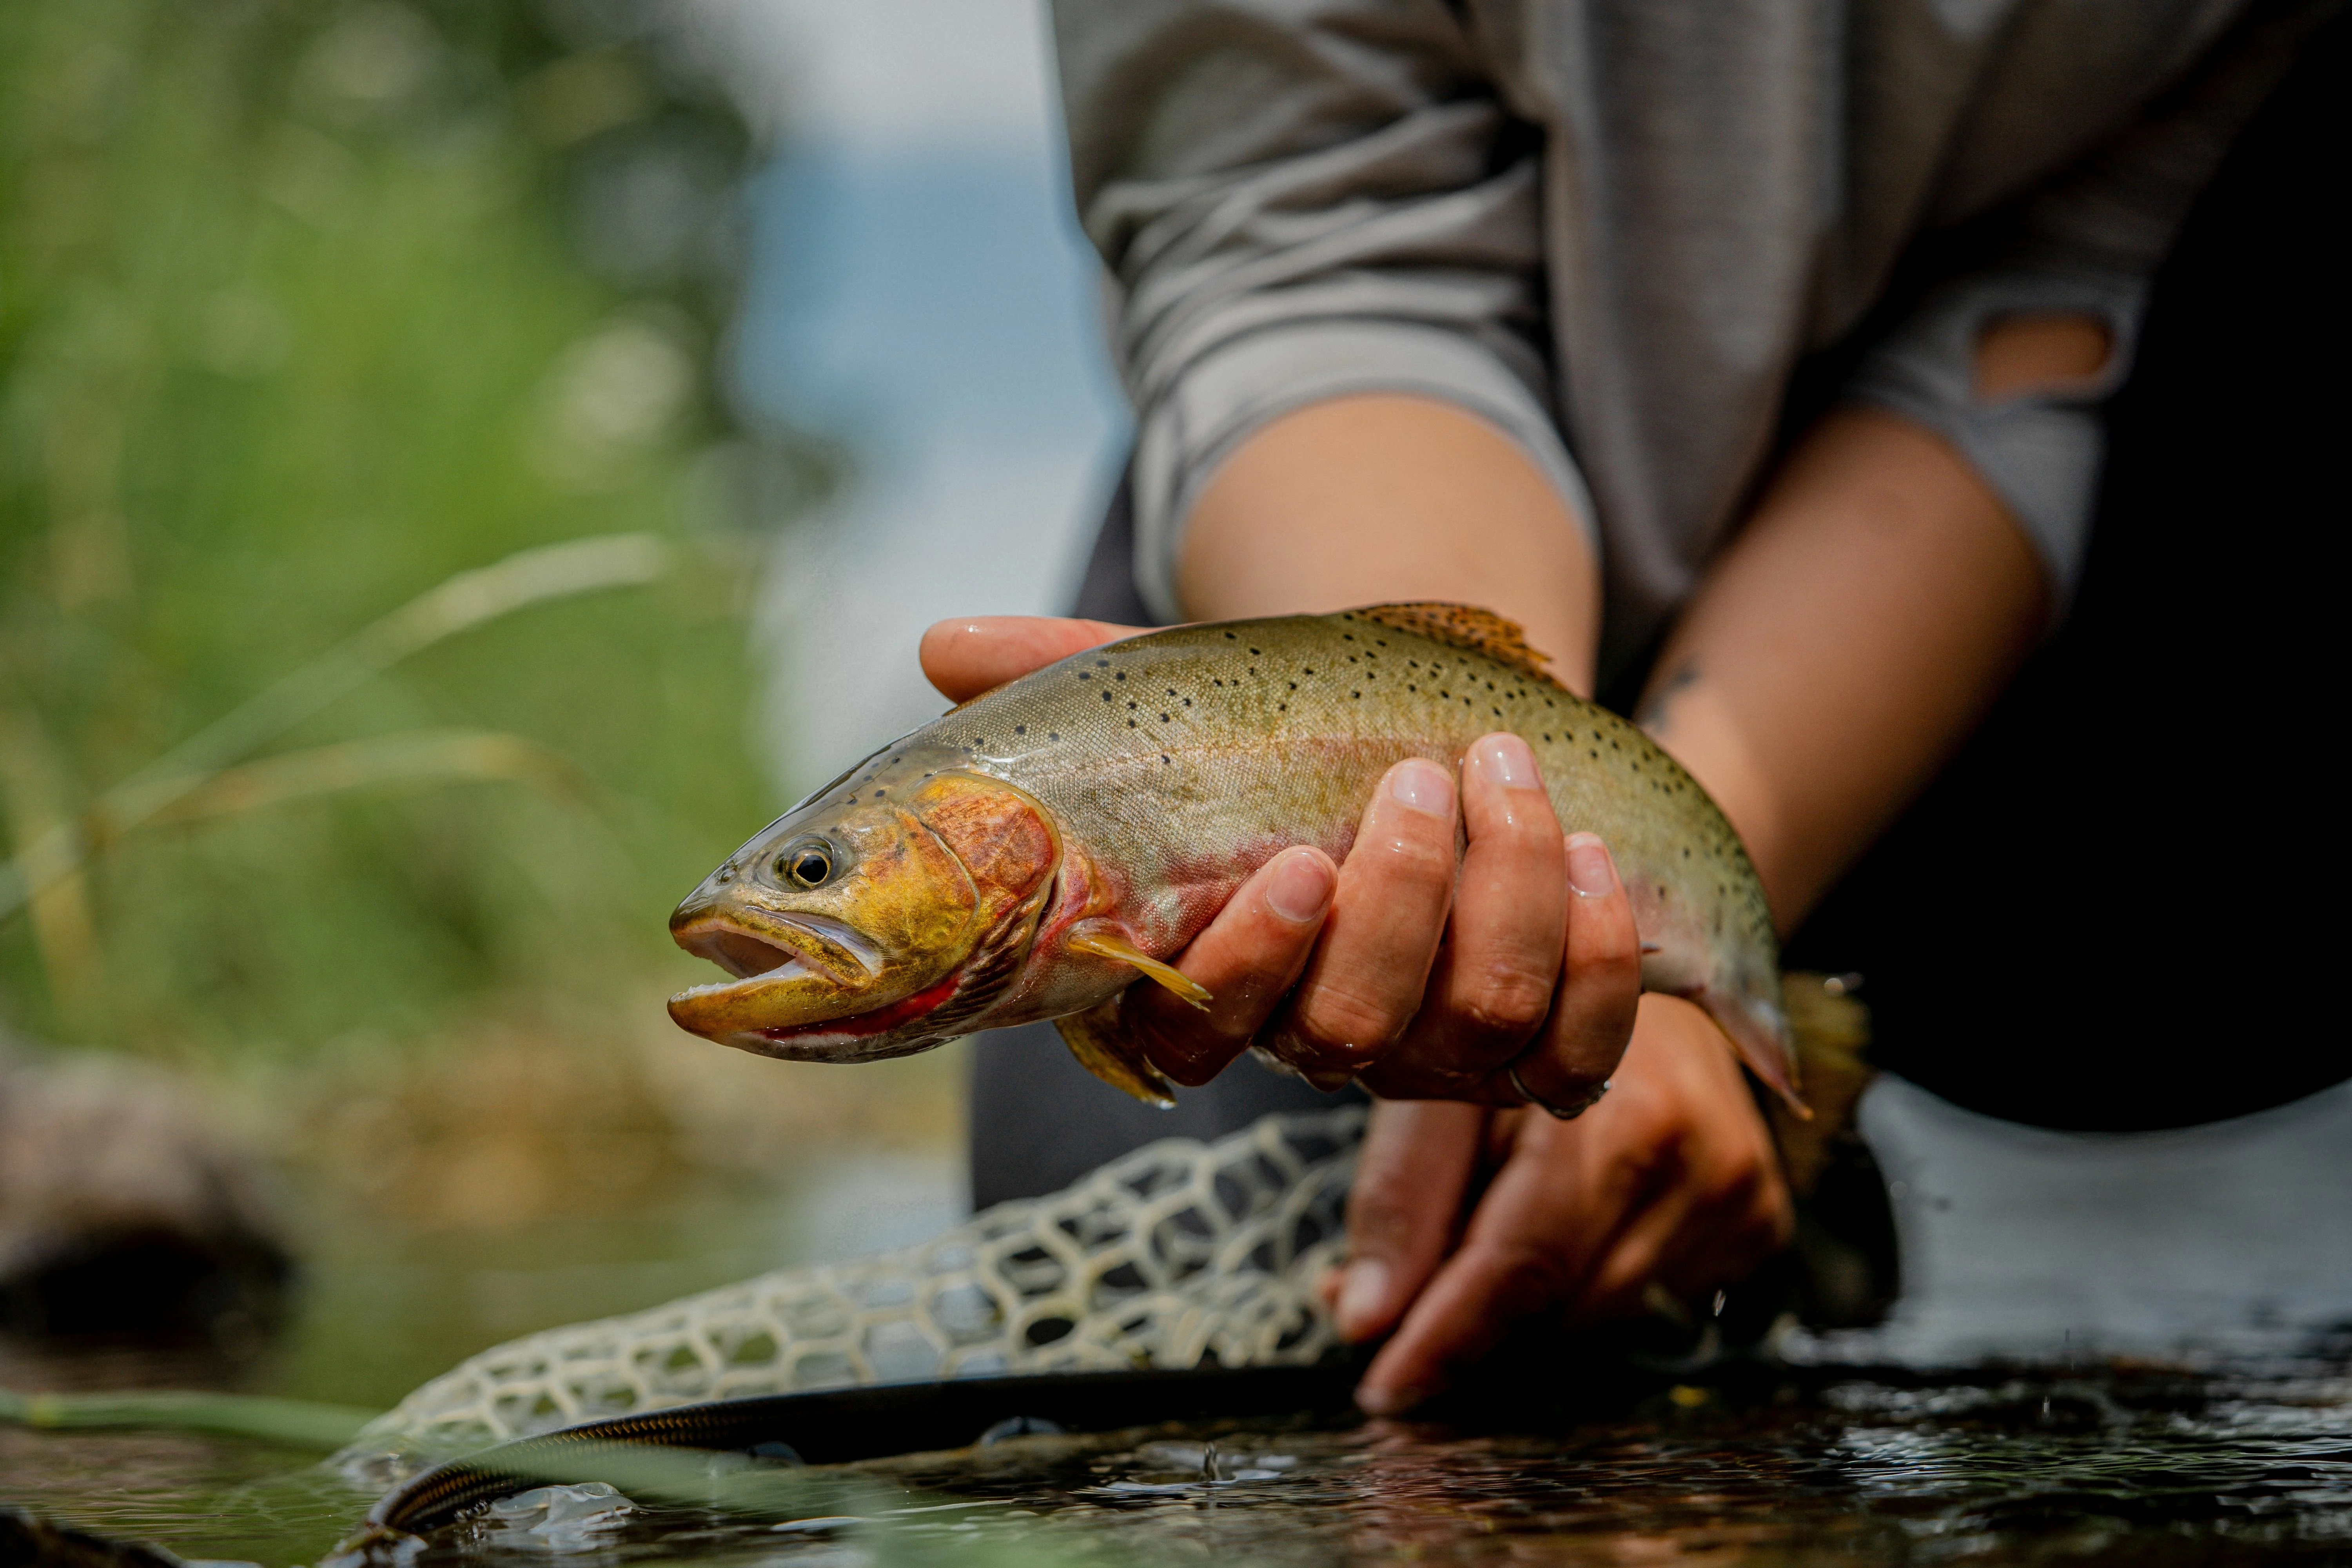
[(1180, 1255)]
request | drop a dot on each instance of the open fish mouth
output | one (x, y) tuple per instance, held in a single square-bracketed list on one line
[(756, 949), (740, 953), (762, 950)]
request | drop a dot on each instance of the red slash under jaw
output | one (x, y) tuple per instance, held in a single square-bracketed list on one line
[(882, 1019)]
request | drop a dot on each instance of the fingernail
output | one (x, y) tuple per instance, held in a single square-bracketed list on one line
[(1589, 870), (1423, 785), (1301, 888), (1363, 1298), (1505, 759), (1375, 1401)]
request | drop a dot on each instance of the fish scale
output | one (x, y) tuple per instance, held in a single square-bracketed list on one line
[(1171, 765)]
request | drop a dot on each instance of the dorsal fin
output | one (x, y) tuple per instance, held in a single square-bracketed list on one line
[(1467, 626)]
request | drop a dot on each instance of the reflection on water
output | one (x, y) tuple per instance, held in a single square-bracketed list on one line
[(2127, 1469), (2107, 1462), (387, 1310), (200, 1497), (2122, 1465), (383, 1307)]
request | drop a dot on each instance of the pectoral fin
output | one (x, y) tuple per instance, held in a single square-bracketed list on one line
[(1101, 1044), (1103, 945)]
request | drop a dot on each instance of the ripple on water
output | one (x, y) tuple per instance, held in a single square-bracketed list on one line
[(2122, 1466)]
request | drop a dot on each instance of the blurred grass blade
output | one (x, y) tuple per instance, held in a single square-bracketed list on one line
[(416, 757), (34, 803), (465, 601), (461, 604), (297, 1423)]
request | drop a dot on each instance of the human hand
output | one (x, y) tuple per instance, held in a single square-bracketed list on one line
[(1423, 975), (1671, 1180)]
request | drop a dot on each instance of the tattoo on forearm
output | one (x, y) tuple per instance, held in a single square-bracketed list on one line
[(1652, 714)]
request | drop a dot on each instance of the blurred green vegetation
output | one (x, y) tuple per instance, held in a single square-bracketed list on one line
[(305, 308)]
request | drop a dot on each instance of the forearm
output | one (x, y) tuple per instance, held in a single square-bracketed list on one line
[(1844, 646), (1359, 500)]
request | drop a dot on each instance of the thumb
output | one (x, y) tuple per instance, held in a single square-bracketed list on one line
[(966, 656), (1404, 1208)]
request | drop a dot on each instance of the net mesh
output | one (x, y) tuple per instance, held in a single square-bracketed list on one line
[(1183, 1254)]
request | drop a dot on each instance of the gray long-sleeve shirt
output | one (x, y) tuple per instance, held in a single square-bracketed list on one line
[(1613, 228)]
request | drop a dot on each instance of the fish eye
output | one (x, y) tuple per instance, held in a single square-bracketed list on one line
[(806, 865)]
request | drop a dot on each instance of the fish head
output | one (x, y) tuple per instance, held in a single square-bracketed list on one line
[(874, 920)]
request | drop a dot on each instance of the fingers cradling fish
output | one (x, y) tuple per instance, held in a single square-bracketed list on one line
[(1031, 854)]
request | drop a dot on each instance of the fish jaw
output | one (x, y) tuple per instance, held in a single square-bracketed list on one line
[(861, 1034), (931, 924), (826, 995)]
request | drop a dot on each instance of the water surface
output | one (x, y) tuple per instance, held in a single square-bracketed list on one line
[(2121, 1464)]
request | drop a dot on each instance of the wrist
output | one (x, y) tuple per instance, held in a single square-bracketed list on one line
[(1367, 500)]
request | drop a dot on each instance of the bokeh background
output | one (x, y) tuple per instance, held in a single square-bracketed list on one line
[(465, 465)]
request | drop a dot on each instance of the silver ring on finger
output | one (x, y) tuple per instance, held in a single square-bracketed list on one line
[(1557, 1112)]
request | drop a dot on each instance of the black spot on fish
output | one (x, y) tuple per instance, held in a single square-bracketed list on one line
[(1020, 729), (1230, 637), (1105, 696), (1121, 674), (1254, 654), (1053, 734), (1130, 723), (1084, 676), (1102, 664)]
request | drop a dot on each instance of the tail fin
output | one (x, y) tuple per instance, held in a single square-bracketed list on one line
[(1830, 1030)]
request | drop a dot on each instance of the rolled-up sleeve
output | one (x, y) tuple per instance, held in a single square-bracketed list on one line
[(2087, 243), (2039, 452), (1300, 201)]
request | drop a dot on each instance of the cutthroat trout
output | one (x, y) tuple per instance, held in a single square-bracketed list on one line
[(1031, 854)]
